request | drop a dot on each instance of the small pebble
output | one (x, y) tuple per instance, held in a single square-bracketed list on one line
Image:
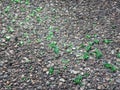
[(52, 78), (112, 52), (100, 87), (39, 87), (1, 73), (74, 72), (11, 51), (60, 83), (45, 69), (118, 80), (1, 64), (62, 80), (118, 60)]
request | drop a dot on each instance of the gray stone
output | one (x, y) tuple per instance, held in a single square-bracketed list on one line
[(45, 69), (52, 78), (74, 72), (118, 80), (1, 73), (39, 87), (1, 64), (62, 79)]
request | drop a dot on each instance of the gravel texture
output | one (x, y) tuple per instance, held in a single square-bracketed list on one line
[(28, 63)]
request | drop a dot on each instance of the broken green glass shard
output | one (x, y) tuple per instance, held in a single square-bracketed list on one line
[(86, 56), (98, 53), (51, 70)]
